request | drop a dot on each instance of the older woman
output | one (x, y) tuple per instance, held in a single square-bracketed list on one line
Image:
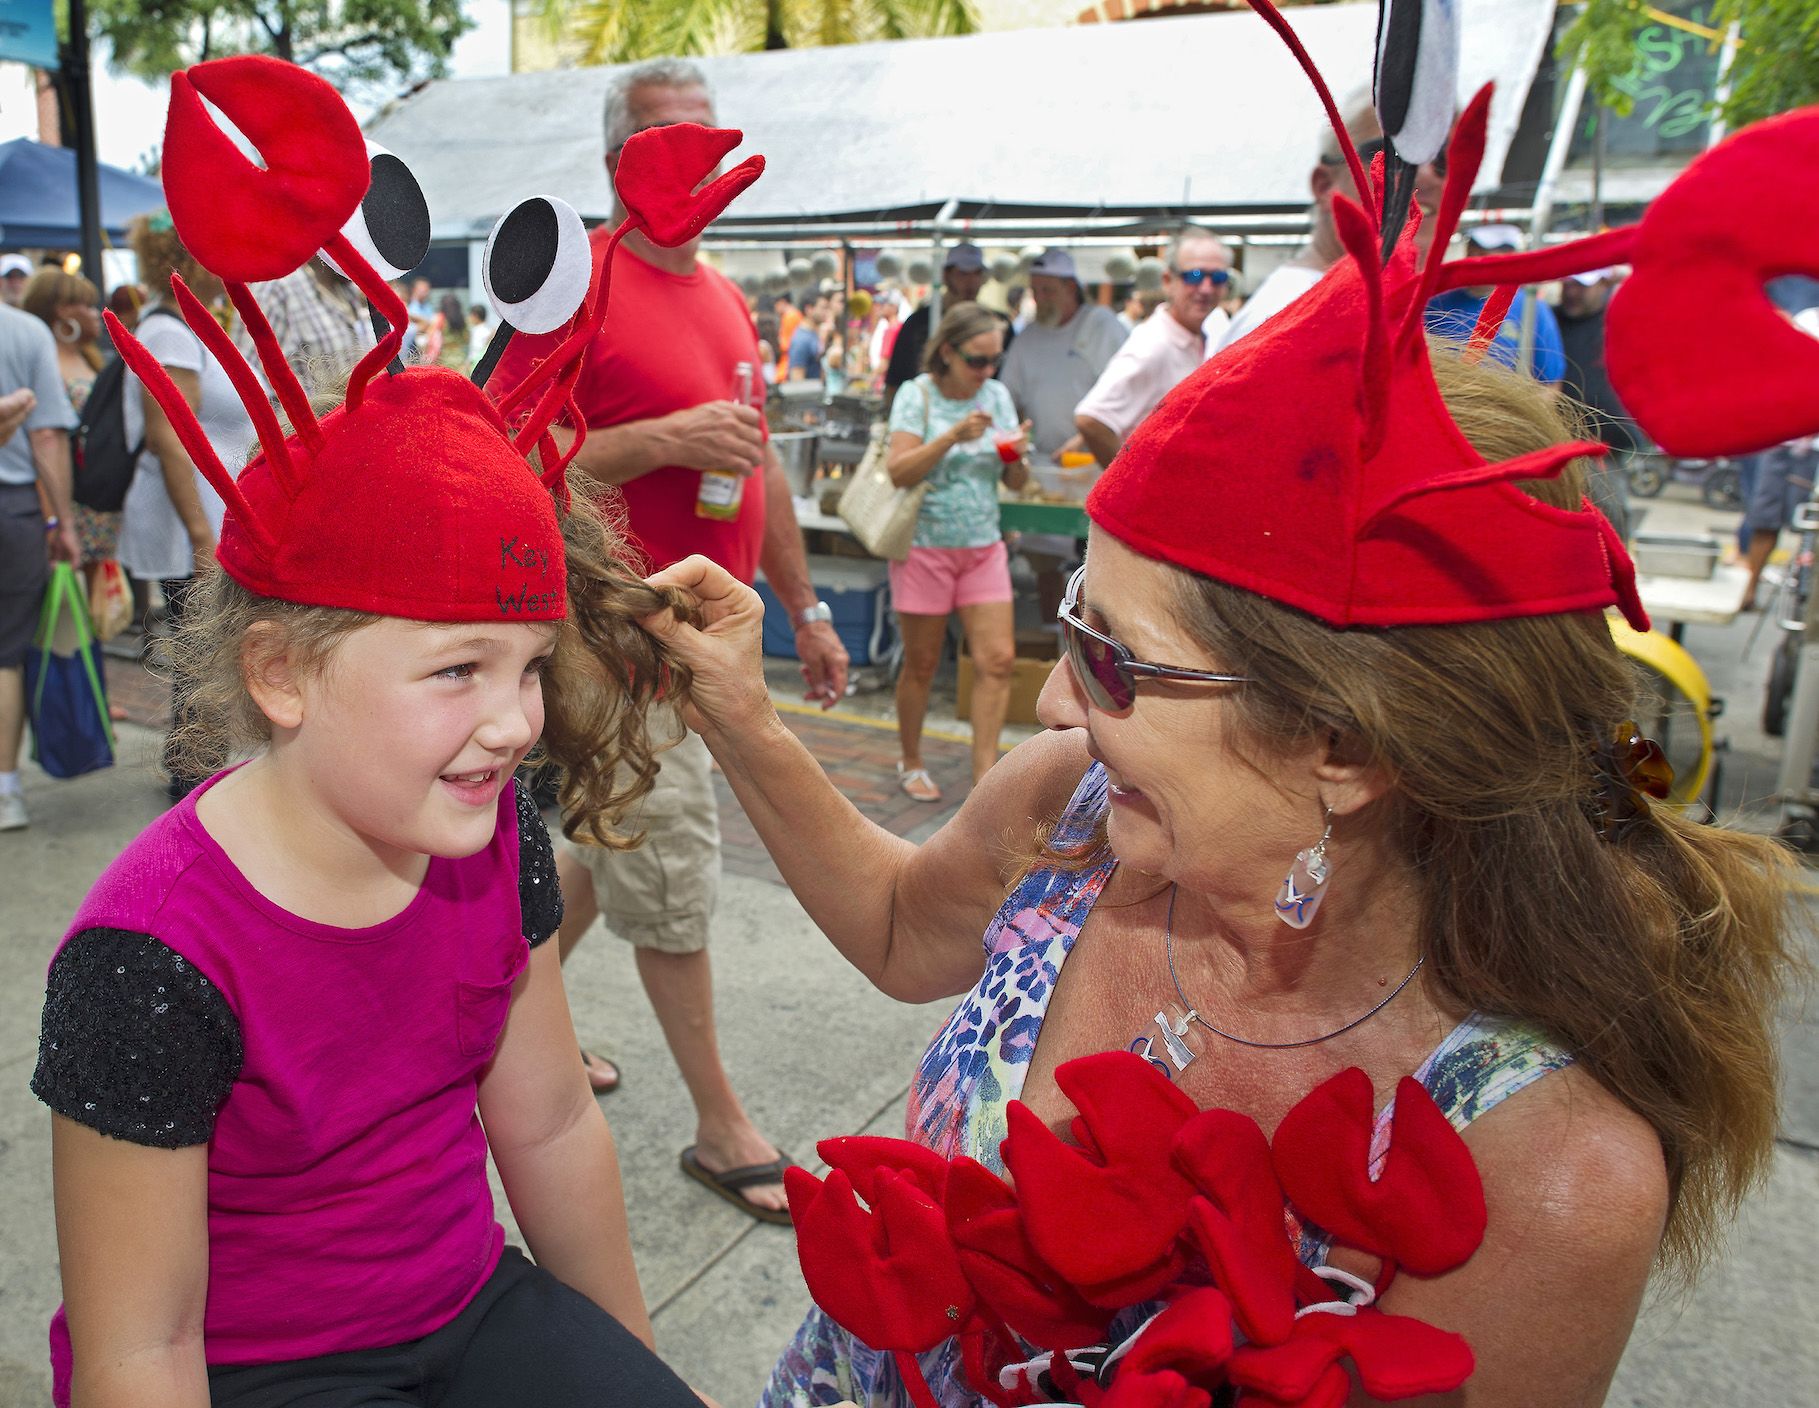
[(1337, 778), (955, 429), (70, 306), (172, 516)]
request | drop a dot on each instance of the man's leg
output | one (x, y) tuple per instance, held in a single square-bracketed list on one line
[(579, 910), (661, 898)]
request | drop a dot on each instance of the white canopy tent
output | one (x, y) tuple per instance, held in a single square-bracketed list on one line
[(1094, 126)]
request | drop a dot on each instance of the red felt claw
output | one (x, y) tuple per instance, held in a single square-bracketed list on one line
[(1107, 1213), (863, 1157), (1425, 1213), (1193, 1337), (997, 1259), (1159, 1390), (1395, 1357), (890, 1275), (1237, 1222), (1739, 377), (660, 170), (243, 222)]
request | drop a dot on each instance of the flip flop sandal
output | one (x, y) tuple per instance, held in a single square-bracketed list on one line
[(588, 1062), (912, 779), (727, 1185)]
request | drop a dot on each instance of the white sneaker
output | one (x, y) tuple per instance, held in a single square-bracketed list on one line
[(12, 812)]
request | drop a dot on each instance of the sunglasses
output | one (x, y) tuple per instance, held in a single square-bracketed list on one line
[(1105, 668), (979, 364), (1371, 150), (1193, 278)]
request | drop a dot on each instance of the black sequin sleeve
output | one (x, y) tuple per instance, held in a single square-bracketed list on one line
[(135, 1042), (539, 896)]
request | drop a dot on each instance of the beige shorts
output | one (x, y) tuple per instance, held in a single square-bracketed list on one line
[(662, 895)]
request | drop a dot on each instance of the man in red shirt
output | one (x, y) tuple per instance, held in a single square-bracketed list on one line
[(656, 396)]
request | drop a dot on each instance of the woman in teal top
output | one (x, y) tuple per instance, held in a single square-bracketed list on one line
[(954, 428)]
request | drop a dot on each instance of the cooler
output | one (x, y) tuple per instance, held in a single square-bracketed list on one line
[(858, 591)]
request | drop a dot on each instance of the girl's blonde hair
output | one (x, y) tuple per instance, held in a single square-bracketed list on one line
[(609, 689)]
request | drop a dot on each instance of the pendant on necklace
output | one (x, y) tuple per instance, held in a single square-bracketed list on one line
[(1170, 1031)]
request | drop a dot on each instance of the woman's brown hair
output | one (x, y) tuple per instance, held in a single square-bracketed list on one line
[(961, 323), (1657, 959), (160, 254), (51, 289), (605, 687)]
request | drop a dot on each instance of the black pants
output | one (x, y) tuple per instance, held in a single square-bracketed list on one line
[(176, 596), (525, 1339)]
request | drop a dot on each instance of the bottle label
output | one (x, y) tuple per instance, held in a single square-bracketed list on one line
[(719, 495)]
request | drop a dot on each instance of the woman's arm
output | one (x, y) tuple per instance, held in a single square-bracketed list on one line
[(179, 471), (908, 917), (912, 459), (1576, 1192), (132, 1237), (555, 1154)]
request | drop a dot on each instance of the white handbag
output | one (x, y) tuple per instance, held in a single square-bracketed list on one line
[(882, 514)]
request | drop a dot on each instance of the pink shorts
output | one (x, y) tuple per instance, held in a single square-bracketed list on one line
[(933, 581)]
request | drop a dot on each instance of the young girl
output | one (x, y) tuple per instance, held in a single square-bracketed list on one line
[(290, 1022)]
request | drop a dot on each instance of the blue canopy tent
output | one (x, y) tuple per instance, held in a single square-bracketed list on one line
[(38, 197)]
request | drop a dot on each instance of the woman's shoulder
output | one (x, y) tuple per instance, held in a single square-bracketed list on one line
[(1579, 1170)]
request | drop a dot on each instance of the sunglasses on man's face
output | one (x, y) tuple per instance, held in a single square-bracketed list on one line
[(978, 364), (1193, 278), (1106, 669)]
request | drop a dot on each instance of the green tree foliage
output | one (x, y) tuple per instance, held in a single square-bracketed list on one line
[(622, 31), (352, 43), (1776, 66)]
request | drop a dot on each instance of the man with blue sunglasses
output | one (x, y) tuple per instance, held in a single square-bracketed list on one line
[(1163, 348)]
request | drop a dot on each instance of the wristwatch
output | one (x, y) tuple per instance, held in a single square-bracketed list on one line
[(820, 611)]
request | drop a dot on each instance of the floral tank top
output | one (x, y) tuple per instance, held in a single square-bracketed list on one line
[(976, 1066)]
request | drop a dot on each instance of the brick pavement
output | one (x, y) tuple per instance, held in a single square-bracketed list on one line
[(860, 756)]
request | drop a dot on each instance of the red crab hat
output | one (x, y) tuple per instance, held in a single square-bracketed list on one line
[(1315, 463), (414, 498)]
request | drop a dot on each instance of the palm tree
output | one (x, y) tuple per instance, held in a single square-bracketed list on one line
[(622, 31)]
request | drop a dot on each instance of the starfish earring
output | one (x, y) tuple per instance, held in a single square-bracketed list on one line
[(1305, 884)]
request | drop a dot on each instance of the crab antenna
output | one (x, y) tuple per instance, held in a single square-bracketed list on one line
[(567, 357), (385, 301), (1366, 196), (176, 408), (278, 370), (246, 385)]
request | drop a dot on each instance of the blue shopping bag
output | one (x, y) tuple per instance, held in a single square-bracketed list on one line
[(65, 697)]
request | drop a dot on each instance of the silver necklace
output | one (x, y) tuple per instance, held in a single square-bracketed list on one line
[(1193, 1013)]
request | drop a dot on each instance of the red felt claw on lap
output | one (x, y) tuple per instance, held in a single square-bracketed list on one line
[(1106, 1213), (1237, 1221), (240, 221), (1395, 1357), (863, 1157), (660, 169), (1425, 1213)]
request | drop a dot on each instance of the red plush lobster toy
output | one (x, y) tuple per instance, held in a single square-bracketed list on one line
[(1154, 1203)]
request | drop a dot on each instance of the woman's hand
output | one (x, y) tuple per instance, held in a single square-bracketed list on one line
[(725, 654), (970, 426)]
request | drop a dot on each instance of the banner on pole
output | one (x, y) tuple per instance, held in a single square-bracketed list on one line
[(28, 32)]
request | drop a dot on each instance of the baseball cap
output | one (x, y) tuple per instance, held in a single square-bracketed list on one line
[(1591, 276), (1495, 237), (14, 264), (964, 257), (1056, 263)]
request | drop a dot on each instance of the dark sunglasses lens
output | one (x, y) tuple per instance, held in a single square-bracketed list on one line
[(979, 364), (1096, 666), (1193, 278)]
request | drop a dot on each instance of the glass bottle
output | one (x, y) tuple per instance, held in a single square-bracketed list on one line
[(722, 490)]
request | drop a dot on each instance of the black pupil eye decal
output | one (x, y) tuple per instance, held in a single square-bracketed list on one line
[(524, 251), (396, 214)]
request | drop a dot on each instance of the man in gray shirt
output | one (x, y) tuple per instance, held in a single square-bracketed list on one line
[(34, 474)]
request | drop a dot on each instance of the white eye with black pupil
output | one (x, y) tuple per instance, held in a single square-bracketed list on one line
[(537, 265), (391, 227)]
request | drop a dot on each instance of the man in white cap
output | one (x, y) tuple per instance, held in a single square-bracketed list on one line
[(1454, 314), (1059, 355), (15, 271), (962, 276)]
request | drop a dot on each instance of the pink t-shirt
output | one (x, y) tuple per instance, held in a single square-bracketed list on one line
[(348, 1205)]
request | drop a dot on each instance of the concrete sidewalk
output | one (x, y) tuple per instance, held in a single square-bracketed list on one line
[(724, 1290)]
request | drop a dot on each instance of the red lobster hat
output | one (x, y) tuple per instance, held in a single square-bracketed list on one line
[(414, 498), (1314, 462)]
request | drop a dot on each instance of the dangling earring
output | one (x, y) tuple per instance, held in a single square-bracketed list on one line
[(75, 333), (1305, 884)]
